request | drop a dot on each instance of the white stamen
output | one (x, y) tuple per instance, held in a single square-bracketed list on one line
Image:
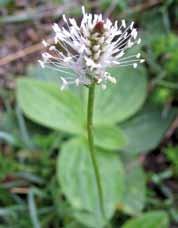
[(139, 41), (64, 18), (99, 80), (45, 43), (83, 10), (135, 65), (41, 63), (97, 55), (96, 47), (56, 28), (112, 79), (138, 55), (67, 59), (88, 52), (52, 48), (120, 54), (46, 56), (77, 81), (134, 33), (123, 23), (131, 25), (64, 83), (130, 44)]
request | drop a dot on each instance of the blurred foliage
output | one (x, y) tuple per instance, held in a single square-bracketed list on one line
[(166, 50), (172, 156), (5, 2), (8, 166)]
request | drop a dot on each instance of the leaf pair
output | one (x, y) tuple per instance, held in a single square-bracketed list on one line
[(66, 110)]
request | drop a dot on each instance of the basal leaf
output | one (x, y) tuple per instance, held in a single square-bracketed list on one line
[(47, 105), (78, 183)]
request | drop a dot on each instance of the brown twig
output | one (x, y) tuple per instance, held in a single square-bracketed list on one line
[(20, 190), (37, 13), (22, 53)]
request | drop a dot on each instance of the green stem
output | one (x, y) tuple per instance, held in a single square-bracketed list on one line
[(91, 96)]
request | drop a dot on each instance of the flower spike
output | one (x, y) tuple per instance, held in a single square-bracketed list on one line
[(84, 52)]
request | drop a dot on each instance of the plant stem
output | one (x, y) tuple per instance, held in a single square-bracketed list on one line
[(91, 96)]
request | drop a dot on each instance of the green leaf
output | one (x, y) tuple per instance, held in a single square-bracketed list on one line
[(157, 219), (120, 101), (109, 137), (77, 180), (134, 196), (45, 104), (145, 131)]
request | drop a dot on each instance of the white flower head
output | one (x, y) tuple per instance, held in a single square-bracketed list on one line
[(84, 52)]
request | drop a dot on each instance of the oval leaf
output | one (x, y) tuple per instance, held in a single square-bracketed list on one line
[(120, 101), (47, 105), (145, 131), (77, 179), (157, 219)]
